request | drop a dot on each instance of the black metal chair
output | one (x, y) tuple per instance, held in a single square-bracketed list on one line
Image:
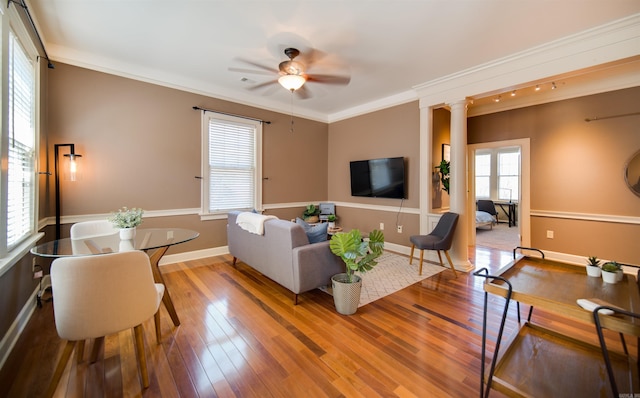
[(439, 239)]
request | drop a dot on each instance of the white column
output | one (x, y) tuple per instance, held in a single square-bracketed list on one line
[(426, 143), (458, 185)]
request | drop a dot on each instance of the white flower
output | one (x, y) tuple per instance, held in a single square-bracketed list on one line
[(127, 218)]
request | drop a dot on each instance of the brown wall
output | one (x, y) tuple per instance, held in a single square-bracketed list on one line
[(141, 148), (387, 133), (577, 167)]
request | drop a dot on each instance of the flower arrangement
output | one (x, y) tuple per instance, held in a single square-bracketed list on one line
[(127, 218)]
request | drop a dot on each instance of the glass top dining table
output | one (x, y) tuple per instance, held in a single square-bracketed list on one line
[(154, 241), (145, 239)]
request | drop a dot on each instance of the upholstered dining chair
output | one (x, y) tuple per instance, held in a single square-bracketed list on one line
[(89, 229), (440, 239), (101, 295)]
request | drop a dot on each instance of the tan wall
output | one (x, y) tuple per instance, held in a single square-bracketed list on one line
[(387, 133), (577, 167), (141, 148)]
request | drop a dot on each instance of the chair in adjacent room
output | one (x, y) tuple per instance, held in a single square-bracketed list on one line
[(101, 295), (440, 239), (488, 207), (89, 229)]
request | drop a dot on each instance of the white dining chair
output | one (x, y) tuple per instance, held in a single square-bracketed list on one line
[(101, 295), (90, 229)]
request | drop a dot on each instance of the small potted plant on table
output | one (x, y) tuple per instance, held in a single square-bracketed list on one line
[(611, 272), (127, 220), (310, 214), (358, 255), (593, 266)]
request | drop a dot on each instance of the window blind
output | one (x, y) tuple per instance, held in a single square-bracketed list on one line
[(21, 164), (232, 165)]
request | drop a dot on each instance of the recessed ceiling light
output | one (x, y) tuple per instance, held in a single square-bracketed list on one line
[(537, 87), (513, 93)]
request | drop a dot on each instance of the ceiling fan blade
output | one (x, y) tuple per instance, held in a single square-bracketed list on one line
[(257, 65), (252, 71), (261, 85), (303, 92), (329, 79)]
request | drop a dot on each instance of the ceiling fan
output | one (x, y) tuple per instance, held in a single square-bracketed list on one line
[(292, 74)]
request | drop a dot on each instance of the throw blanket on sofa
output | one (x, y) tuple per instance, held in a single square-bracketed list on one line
[(253, 222)]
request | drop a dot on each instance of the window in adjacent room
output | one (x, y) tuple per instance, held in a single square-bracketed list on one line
[(231, 164), (483, 175), (508, 174), (19, 215)]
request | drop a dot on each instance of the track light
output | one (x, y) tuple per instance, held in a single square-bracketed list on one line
[(537, 87), (553, 85), (497, 99), (513, 93)]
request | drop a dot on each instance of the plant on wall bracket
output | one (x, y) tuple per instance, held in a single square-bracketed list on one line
[(444, 173)]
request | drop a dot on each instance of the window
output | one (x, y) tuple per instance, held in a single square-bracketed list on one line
[(483, 176), (232, 164), (508, 175), (20, 148)]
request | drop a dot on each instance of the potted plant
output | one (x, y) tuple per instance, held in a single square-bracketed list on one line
[(127, 220), (310, 214), (593, 266), (358, 255), (331, 219), (444, 172), (611, 272)]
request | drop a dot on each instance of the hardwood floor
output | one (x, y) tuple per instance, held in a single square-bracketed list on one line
[(241, 336)]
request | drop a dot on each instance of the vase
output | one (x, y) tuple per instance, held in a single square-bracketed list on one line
[(126, 245), (346, 295), (609, 277), (128, 233), (593, 271)]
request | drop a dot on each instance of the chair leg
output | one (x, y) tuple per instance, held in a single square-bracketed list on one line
[(446, 253), (79, 351), (440, 257), (95, 351), (142, 360), (235, 259), (421, 258), (156, 319), (411, 255), (57, 374)]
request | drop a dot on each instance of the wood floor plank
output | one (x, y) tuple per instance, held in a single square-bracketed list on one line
[(241, 336)]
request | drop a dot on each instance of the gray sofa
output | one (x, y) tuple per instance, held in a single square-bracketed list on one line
[(283, 254)]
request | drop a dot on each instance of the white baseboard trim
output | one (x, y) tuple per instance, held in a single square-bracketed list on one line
[(194, 255), (11, 337)]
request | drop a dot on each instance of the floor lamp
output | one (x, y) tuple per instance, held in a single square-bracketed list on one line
[(73, 157)]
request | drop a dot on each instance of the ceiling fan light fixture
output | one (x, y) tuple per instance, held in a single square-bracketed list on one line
[(291, 82)]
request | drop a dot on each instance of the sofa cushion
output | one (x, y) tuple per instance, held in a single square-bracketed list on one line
[(315, 233)]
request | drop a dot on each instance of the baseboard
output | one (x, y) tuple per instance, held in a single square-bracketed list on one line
[(194, 255), (15, 330)]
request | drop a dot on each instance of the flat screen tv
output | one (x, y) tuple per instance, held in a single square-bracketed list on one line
[(378, 178)]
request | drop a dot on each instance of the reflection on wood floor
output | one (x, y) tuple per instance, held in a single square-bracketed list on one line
[(241, 336)]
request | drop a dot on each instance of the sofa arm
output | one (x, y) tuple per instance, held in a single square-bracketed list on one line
[(313, 266)]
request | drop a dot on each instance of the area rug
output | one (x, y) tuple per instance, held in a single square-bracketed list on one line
[(500, 237), (392, 273)]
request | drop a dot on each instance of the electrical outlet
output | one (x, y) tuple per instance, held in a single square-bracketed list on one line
[(381, 226), (549, 234), (399, 229)]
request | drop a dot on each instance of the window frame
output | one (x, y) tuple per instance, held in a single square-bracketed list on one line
[(207, 117), (11, 23)]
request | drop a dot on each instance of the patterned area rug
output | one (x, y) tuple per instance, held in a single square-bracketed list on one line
[(392, 273), (500, 237)]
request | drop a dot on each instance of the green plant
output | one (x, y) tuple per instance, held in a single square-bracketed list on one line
[(444, 173), (311, 211), (331, 218), (611, 266), (127, 218), (357, 254), (593, 261)]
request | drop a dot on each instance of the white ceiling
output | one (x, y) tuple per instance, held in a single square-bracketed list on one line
[(387, 47)]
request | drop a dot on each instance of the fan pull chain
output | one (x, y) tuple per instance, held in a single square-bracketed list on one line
[(291, 131)]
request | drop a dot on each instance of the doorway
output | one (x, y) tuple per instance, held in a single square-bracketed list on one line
[(493, 178)]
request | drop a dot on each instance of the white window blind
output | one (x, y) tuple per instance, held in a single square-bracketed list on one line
[(233, 167), (483, 176), (508, 175), (21, 158)]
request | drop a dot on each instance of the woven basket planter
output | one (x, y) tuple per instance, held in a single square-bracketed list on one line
[(346, 296)]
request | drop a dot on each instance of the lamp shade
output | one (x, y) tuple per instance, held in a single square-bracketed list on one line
[(292, 82)]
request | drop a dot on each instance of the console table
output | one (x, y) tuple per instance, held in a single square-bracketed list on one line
[(540, 362), (509, 209)]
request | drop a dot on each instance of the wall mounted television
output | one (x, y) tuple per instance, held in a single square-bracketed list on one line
[(378, 178)]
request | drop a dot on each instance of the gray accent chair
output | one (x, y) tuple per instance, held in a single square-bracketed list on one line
[(283, 254), (439, 239)]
